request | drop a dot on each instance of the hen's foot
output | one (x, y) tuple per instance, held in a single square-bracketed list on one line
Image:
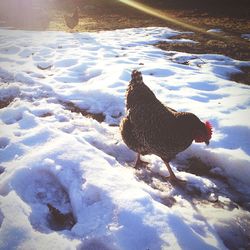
[(172, 178), (140, 163)]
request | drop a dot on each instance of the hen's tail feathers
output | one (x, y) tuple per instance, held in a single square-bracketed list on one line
[(136, 76)]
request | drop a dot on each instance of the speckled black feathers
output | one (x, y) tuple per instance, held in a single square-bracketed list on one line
[(152, 128)]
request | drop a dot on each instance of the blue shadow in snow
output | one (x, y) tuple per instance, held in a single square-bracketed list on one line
[(137, 235), (203, 86), (236, 135), (186, 237), (159, 72), (207, 96)]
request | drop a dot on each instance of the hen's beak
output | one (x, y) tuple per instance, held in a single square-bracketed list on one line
[(207, 143)]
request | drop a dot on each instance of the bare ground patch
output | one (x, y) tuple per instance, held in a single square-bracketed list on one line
[(100, 117), (243, 77), (6, 102)]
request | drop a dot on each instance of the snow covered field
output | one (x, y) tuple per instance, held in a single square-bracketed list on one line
[(51, 154)]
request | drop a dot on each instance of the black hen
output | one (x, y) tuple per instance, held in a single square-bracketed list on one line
[(152, 128), (72, 21)]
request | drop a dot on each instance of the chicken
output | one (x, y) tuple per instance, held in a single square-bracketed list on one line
[(149, 127), (72, 21)]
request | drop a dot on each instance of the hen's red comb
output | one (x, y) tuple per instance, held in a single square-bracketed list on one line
[(209, 129)]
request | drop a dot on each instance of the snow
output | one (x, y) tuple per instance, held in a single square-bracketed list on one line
[(215, 30), (246, 36), (52, 154)]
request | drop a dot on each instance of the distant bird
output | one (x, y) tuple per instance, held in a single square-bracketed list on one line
[(72, 21), (149, 127)]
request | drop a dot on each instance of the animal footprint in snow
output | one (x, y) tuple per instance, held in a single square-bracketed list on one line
[(4, 142), (2, 169), (44, 65)]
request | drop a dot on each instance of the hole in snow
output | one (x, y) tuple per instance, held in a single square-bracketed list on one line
[(100, 117), (46, 114), (38, 188), (6, 102), (44, 65), (197, 167), (2, 169), (59, 221), (4, 142)]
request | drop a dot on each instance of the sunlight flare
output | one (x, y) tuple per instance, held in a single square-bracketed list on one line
[(164, 16), (160, 14)]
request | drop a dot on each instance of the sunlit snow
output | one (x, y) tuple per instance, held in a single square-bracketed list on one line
[(51, 153)]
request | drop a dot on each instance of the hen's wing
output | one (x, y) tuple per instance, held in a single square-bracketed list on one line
[(153, 126), (130, 135)]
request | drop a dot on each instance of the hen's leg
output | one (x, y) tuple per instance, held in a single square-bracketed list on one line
[(139, 163), (172, 176)]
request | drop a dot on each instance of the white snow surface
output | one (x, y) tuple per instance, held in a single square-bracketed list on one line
[(51, 154), (215, 30), (246, 36)]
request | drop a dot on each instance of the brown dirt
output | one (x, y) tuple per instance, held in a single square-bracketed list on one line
[(5, 102), (100, 117), (243, 77)]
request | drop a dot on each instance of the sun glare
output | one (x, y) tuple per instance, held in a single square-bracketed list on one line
[(160, 14), (26, 14), (164, 16)]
